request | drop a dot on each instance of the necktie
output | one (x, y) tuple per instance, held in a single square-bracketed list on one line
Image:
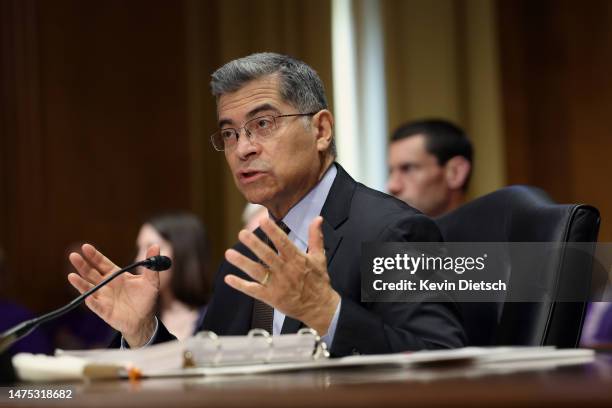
[(263, 314)]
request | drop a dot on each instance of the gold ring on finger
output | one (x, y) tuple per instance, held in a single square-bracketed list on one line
[(266, 278)]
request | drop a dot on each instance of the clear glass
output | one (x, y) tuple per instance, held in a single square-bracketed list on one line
[(258, 128)]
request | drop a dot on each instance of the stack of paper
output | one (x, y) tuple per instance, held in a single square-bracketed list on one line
[(238, 355)]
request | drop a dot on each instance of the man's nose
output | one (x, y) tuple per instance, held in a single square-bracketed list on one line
[(393, 184), (245, 147)]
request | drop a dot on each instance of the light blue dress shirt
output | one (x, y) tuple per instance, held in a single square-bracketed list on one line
[(298, 219)]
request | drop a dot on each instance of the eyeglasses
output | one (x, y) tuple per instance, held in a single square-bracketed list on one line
[(256, 129)]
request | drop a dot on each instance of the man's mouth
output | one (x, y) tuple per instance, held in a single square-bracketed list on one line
[(249, 176)]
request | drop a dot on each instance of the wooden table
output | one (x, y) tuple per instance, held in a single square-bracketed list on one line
[(577, 384)]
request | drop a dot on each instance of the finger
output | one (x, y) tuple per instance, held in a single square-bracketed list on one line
[(253, 289), (97, 260), (84, 268), (79, 283), (258, 247), (316, 246), (152, 276), (281, 241), (254, 269)]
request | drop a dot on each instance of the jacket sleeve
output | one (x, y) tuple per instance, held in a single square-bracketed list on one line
[(162, 333), (388, 327)]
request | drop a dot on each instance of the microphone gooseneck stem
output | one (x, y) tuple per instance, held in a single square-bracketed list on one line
[(15, 333), (76, 302)]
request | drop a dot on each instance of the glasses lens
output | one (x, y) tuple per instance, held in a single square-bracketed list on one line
[(260, 127), (217, 141)]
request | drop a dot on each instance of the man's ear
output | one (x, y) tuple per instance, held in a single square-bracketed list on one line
[(322, 126), (457, 170)]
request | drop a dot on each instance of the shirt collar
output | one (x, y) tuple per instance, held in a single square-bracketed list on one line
[(300, 216)]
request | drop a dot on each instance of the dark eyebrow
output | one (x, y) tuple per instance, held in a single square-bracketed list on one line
[(405, 166), (262, 108), (224, 122), (252, 113)]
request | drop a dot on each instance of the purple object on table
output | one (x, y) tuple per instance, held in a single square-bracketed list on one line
[(35, 342), (597, 325)]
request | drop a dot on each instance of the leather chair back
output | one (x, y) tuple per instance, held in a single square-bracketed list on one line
[(527, 214)]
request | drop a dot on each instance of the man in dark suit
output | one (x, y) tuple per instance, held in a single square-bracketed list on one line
[(276, 134)]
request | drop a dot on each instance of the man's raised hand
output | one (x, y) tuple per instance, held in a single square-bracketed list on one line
[(294, 282), (127, 303)]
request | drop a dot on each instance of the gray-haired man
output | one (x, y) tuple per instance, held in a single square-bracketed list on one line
[(276, 133)]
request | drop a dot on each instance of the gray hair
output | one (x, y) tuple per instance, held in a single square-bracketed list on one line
[(300, 85)]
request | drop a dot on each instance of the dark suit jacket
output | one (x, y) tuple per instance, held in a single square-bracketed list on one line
[(353, 213)]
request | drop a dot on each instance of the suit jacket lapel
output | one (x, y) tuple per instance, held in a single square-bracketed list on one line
[(335, 213)]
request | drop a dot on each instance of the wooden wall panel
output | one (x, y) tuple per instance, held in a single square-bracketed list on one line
[(105, 114), (557, 92), (94, 136)]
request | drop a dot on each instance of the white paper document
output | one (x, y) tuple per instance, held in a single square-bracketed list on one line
[(209, 355)]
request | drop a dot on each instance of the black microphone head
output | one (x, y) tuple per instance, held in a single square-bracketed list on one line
[(157, 263)]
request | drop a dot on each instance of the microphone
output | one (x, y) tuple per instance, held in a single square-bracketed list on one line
[(155, 263)]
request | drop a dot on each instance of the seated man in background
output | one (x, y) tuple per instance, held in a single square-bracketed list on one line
[(276, 133), (430, 163)]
